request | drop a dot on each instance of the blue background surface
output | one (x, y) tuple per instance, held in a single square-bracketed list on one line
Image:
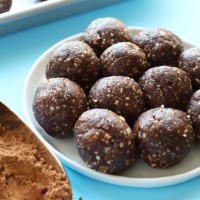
[(20, 50)]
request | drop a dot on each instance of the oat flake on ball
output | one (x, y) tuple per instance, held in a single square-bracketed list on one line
[(168, 86), (165, 136), (161, 46), (76, 61), (123, 59), (103, 32), (120, 94), (57, 104), (104, 141)]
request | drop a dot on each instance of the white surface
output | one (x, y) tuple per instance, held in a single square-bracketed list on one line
[(139, 175), (22, 4), (28, 13), (22, 8)]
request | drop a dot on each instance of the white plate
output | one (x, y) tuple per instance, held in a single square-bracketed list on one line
[(139, 175)]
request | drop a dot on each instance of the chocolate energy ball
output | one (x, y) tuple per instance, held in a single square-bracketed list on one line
[(161, 46), (104, 141), (120, 94), (76, 61), (5, 5), (123, 59), (189, 61), (103, 32), (165, 136), (193, 111), (168, 86), (57, 104)]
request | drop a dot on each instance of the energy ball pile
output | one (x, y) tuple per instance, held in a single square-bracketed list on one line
[(119, 94)]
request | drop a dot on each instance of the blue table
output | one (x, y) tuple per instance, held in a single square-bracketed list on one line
[(19, 51)]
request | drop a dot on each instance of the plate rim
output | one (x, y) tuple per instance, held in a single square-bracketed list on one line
[(84, 170)]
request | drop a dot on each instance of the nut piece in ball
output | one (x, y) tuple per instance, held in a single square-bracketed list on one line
[(104, 141), (103, 32), (76, 61), (120, 94), (193, 110), (57, 104), (123, 59), (189, 61), (165, 136), (168, 86), (161, 46)]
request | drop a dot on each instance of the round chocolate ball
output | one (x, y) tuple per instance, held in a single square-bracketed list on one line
[(76, 61), (189, 61), (57, 104), (103, 32), (193, 110), (123, 59), (5, 5), (104, 141), (161, 46), (168, 86), (165, 136), (120, 94)]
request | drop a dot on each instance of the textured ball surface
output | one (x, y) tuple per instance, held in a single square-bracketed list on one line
[(168, 86), (123, 59), (165, 136), (120, 94), (104, 141), (103, 32), (161, 46), (57, 104)]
